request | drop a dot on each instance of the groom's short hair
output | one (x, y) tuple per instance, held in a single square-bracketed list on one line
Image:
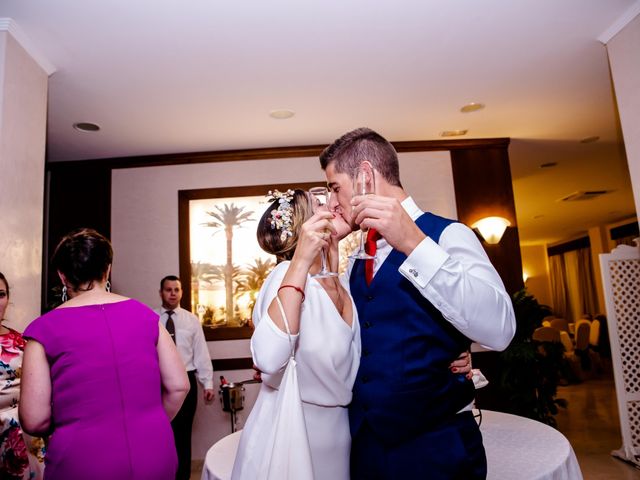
[(358, 145)]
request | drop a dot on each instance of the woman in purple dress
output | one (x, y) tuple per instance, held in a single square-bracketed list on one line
[(100, 375)]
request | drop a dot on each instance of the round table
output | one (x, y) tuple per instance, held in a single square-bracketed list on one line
[(524, 449), (517, 448)]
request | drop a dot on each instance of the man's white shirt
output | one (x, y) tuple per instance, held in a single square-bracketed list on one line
[(456, 276), (191, 344)]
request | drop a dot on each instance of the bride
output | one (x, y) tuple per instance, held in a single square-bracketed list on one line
[(323, 324)]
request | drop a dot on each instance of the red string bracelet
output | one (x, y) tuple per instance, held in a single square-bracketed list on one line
[(297, 289)]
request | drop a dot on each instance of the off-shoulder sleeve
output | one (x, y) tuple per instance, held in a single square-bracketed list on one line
[(270, 346)]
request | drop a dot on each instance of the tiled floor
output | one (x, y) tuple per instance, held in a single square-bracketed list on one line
[(591, 424)]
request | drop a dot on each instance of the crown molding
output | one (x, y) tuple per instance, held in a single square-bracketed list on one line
[(632, 12), (10, 26), (269, 153)]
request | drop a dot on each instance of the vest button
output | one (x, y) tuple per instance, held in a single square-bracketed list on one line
[(365, 379), (367, 324), (365, 352), (368, 298)]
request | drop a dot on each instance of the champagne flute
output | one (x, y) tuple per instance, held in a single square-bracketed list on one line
[(320, 195), (364, 183)]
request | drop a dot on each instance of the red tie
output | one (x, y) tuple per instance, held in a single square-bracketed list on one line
[(370, 247)]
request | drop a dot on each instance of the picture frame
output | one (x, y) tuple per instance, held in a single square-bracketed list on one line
[(221, 263)]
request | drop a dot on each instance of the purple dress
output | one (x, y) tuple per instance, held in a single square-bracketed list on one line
[(107, 415)]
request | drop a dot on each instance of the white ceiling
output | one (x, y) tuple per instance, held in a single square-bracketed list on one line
[(169, 76)]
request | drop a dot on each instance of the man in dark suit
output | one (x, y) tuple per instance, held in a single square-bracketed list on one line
[(429, 293)]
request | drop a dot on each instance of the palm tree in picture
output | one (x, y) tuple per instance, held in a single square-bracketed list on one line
[(226, 218), (201, 272), (219, 275), (252, 278)]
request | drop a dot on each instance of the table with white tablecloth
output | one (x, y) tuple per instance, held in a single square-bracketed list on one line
[(517, 448)]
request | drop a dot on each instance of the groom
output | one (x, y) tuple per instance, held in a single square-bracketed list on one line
[(429, 293)]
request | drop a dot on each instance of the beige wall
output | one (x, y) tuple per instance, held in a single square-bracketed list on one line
[(535, 265), (23, 106), (144, 232), (624, 59)]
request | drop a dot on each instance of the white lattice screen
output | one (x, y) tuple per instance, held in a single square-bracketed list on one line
[(621, 282)]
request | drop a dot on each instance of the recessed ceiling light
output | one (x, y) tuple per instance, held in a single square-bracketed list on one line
[(548, 164), (592, 139), (453, 133), (472, 107), (86, 127), (281, 114)]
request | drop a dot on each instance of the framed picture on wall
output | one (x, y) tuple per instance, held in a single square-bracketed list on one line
[(220, 255)]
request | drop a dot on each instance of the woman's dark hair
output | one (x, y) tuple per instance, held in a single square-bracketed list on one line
[(271, 239), (83, 256), (6, 284)]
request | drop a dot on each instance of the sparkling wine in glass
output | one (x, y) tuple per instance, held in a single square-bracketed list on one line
[(320, 197), (364, 183)]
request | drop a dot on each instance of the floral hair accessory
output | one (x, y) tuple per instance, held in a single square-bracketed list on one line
[(282, 217)]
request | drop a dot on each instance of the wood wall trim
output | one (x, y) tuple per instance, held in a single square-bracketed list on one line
[(483, 187), (270, 153)]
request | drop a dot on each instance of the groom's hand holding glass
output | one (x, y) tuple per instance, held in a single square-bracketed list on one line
[(387, 216)]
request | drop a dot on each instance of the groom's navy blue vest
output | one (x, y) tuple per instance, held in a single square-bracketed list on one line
[(404, 385)]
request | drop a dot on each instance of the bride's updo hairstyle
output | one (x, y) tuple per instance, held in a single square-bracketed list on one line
[(280, 224), (83, 256)]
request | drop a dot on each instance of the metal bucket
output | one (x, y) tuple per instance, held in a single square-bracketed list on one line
[(231, 397)]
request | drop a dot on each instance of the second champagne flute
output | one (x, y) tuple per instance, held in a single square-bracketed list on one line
[(364, 183), (320, 197)]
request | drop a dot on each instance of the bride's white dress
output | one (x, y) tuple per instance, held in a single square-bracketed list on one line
[(327, 356)]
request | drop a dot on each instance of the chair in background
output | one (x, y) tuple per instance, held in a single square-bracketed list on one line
[(552, 359), (594, 333), (594, 345), (560, 324), (571, 371), (604, 347), (546, 334), (583, 331)]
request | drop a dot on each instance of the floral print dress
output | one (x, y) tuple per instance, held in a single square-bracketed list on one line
[(21, 456)]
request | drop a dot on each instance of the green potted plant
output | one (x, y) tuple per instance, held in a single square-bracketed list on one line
[(530, 370)]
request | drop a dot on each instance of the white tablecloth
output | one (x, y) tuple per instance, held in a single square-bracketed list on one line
[(517, 448)]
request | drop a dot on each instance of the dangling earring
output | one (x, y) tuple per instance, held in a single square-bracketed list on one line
[(108, 286), (63, 297)]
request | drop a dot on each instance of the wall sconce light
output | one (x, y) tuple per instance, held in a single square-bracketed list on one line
[(492, 228)]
